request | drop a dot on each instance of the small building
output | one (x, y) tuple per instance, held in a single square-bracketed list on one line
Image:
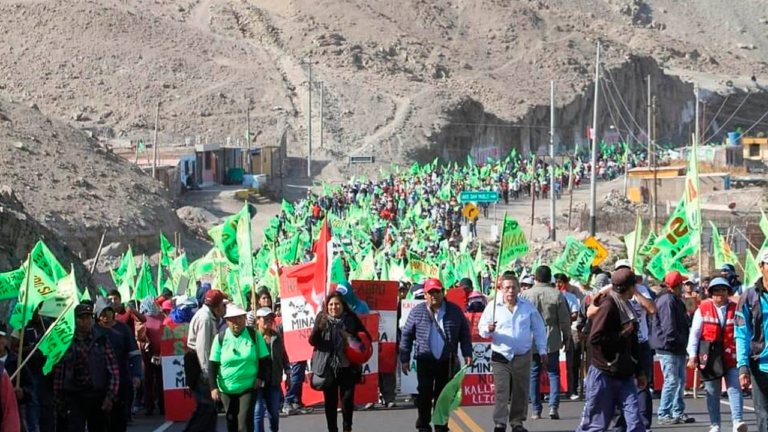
[(670, 183), (755, 149), (216, 163)]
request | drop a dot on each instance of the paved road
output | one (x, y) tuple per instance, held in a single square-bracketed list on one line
[(468, 419)]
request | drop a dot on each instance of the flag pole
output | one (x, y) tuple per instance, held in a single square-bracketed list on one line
[(634, 244), (22, 330), (498, 270), (47, 332)]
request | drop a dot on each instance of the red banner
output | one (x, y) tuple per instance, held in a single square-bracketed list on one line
[(381, 297), (298, 319), (175, 391)]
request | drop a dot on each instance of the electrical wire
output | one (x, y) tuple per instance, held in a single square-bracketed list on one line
[(618, 93), (749, 92), (618, 110), (704, 132)]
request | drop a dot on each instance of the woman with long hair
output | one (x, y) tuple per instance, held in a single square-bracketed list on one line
[(334, 327)]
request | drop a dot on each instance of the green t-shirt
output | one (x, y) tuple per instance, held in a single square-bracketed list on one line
[(239, 358)]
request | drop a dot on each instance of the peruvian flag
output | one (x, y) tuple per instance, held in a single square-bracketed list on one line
[(323, 260), (590, 133)]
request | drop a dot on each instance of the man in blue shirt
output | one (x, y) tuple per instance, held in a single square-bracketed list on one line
[(514, 327), (751, 352)]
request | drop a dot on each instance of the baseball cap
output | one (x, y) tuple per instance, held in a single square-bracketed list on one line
[(719, 282), (528, 280), (674, 278), (728, 267), (263, 312), (83, 309), (622, 263), (167, 305), (764, 257), (214, 298), (600, 281), (233, 311), (623, 277), (432, 284)]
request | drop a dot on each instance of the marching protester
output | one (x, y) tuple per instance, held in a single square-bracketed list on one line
[(751, 354), (9, 364), (269, 395), (87, 379), (239, 366), (615, 374), (712, 349), (150, 336), (331, 362), (514, 327), (438, 328), (41, 397), (127, 353), (202, 329), (573, 297), (9, 408), (669, 337), (557, 321)]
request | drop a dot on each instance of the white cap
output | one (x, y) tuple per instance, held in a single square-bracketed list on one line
[(234, 311), (263, 312), (622, 263), (528, 280), (764, 256)]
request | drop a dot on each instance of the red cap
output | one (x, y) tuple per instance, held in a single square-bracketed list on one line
[(674, 278), (167, 305), (432, 285), (214, 298)]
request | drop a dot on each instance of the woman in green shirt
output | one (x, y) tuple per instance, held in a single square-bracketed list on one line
[(239, 365)]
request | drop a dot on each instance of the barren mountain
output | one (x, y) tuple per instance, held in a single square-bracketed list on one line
[(401, 79)]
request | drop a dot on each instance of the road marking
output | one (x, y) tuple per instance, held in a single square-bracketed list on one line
[(452, 425), (468, 421), (729, 404), (164, 426)]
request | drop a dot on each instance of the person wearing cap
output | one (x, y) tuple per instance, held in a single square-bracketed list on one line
[(614, 375), (127, 315), (751, 332), (268, 397), (86, 380), (553, 307), (239, 366), (573, 350), (438, 328), (728, 272), (713, 323), (669, 337), (517, 326), (127, 353), (527, 283), (200, 335), (150, 336)]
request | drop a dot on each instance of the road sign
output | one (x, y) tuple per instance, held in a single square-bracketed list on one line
[(479, 196), (595, 245), (470, 211)]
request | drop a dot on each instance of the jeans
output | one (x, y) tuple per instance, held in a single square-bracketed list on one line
[(432, 376), (553, 370), (759, 395), (604, 393), (734, 397), (344, 384), (268, 402), (644, 399), (387, 387), (293, 393), (673, 369)]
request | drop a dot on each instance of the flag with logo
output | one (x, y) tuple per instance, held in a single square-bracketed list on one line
[(722, 249), (42, 274), (245, 251), (57, 340)]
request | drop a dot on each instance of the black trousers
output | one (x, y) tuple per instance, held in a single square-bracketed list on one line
[(238, 409), (573, 364), (343, 385), (432, 377), (759, 395), (85, 410)]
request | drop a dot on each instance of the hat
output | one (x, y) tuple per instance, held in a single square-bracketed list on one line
[(475, 294), (432, 284), (600, 281), (83, 309), (102, 304), (623, 277), (214, 298), (466, 283), (167, 305), (528, 280), (719, 282), (728, 267), (417, 290), (343, 287), (674, 278), (234, 311), (622, 263), (763, 257), (263, 312)]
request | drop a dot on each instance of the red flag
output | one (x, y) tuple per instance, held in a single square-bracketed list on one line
[(323, 260), (304, 275)]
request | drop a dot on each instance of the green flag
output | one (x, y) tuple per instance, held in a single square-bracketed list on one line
[(576, 259), (449, 399), (56, 341), (691, 195), (722, 249), (337, 270), (288, 251), (10, 282), (41, 277), (144, 286), (142, 147), (224, 236), (180, 268), (166, 251), (676, 233), (125, 275), (647, 248), (513, 243), (751, 270), (245, 251), (632, 241)]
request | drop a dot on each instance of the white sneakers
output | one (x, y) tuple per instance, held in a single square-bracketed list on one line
[(714, 428), (740, 426)]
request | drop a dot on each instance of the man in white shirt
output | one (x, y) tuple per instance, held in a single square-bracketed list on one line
[(514, 327)]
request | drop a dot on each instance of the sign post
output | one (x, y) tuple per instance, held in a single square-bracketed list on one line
[(478, 197)]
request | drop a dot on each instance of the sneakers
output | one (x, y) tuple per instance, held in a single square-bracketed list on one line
[(575, 397), (714, 428), (740, 426), (553, 414), (685, 419), (666, 420), (519, 428), (500, 429), (536, 416), (393, 405), (368, 406)]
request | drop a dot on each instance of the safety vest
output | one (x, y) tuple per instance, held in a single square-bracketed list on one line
[(711, 328)]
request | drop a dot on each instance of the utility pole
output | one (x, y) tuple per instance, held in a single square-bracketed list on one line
[(157, 119), (248, 121), (533, 192), (654, 208), (322, 102), (593, 185), (698, 125), (309, 122), (651, 155), (553, 194)]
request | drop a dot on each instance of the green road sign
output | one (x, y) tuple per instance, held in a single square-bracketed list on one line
[(479, 196)]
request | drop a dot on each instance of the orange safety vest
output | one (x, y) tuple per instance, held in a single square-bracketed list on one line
[(711, 328)]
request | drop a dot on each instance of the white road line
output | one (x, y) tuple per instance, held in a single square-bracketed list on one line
[(164, 426), (747, 407)]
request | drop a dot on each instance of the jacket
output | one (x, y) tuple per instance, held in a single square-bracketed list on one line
[(9, 408), (320, 340), (612, 353), (418, 326), (712, 330), (280, 362), (202, 329), (670, 328), (553, 308), (751, 350), (27, 386)]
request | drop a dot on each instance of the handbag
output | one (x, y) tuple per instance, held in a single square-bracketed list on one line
[(322, 370), (453, 361), (710, 359)]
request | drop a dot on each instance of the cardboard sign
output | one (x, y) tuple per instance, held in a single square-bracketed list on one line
[(176, 394), (298, 320), (595, 245)]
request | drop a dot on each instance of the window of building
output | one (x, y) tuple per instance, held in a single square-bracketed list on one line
[(754, 150)]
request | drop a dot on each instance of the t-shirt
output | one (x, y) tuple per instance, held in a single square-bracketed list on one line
[(640, 312), (239, 360)]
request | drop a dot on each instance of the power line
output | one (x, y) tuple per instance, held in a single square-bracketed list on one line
[(618, 93), (722, 105), (749, 92)]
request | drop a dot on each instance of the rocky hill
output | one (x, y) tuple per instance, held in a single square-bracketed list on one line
[(401, 79)]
